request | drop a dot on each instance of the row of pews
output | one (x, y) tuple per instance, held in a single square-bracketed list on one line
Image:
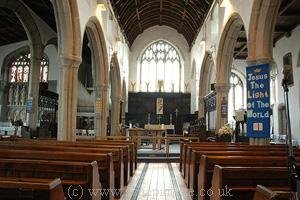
[(57, 170), (232, 171)]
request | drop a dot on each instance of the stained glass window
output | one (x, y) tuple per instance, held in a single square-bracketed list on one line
[(160, 62), (19, 69)]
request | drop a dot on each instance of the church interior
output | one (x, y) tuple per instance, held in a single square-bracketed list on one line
[(149, 99)]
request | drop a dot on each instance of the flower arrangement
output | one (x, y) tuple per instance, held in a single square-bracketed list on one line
[(226, 130), (225, 133)]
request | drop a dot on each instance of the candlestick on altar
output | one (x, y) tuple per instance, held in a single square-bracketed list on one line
[(148, 118), (170, 118)]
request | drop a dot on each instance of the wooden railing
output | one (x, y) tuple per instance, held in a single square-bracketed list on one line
[(155, 140)]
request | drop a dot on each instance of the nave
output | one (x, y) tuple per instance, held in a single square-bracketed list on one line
[(108, 169), (161, 181)]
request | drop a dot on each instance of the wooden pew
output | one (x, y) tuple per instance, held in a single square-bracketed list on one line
[(193, 167), (79, 174), (208, 162), (125, 148), (241, 182), (184, 145), (189, 149), (132, 143), (263, 193), (104, 162), (117, 157), (16, 188), (187, 157)]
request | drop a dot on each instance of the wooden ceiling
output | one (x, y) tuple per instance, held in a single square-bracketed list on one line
[(186, 16), (134, 16), (288, 19), (11, 29)]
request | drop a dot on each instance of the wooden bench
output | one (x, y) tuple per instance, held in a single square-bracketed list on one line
[(16, 188), (241, 182), (131, 147), (104, 162), (184, 145), (196, 157), (116, 152), (72, 174), (54, 144), (187, 157), (132, 144), (263, 193), (208, 162)]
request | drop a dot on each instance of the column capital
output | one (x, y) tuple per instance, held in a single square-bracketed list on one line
[(260, 60), (68, 60), (116, 98), (222, 87)]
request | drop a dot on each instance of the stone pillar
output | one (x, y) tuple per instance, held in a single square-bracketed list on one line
[(259, 141), (101, 110), (115, 115), (222, 90), (33, 86), (201, 107), (67, 104)]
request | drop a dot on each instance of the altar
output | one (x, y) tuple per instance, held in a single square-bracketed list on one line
[(158, 131)]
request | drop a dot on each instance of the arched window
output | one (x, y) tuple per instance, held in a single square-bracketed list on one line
[(160, 68), (19, 69), (235, 97)]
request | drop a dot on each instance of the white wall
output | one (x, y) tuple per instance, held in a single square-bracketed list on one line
[(283, 46), (153, 34)]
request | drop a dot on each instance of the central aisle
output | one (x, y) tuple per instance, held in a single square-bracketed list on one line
[(157, 181)]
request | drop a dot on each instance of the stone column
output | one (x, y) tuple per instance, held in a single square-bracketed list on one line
[(101, 110), (201, 107), (222, 90), (259, 141), (115, 115), (67, 104), (33, 86)]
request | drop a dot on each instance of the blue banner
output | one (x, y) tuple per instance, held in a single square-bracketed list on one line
[(258, 101)]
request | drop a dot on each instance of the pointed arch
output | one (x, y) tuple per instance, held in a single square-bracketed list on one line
[(224, 61), (262, 24), (226, 46), (205, 75), (100, 70), (68, 29)]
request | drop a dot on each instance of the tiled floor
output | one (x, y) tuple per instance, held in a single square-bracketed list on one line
[(157, 181)]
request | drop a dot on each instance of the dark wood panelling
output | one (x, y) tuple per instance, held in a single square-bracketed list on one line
[(142, 103)]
